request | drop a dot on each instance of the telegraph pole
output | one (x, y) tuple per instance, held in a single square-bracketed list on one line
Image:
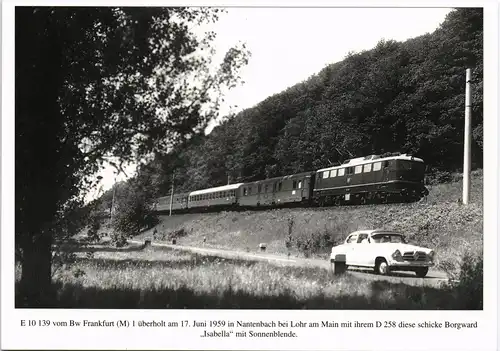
[(172, 193), (112, 202), (467, 138)]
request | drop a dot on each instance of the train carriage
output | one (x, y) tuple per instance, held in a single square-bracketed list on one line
[(296, 188), (218, 197), (371, 179), (179, 202)]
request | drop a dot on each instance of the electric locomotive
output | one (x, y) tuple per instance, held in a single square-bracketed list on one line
[(371, 179)]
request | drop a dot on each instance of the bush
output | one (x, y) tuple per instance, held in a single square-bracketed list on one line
[(467, 284)]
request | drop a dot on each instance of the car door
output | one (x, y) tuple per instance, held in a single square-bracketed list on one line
[(361, 250), (350, 249)]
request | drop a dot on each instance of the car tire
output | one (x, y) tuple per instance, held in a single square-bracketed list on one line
[(381, 267), (421, 272)]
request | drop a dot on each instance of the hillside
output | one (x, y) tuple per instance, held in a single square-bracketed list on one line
[(440, 222), (397, 97)]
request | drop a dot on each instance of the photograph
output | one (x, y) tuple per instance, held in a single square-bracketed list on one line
[(229, 158), (225, 176)]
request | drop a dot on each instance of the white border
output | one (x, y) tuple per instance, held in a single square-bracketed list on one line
[(483, 338)]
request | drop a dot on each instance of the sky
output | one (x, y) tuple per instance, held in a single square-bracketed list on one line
[(288, 45)]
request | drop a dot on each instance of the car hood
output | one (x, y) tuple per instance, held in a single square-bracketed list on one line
[(401, 247)]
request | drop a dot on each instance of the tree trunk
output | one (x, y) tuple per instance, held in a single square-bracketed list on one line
[(35, 287)]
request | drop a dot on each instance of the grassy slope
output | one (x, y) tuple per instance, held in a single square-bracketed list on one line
[(440, 222)]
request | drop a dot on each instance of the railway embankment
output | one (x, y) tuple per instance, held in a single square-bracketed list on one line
[(439, 221)]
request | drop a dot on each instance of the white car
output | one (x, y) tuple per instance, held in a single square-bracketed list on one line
[(384, 251)]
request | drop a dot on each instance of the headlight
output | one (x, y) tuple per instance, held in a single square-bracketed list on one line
[(397, 256)]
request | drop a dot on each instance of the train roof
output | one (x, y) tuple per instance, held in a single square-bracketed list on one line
[(370, 159), (290, 176), (219, 188)]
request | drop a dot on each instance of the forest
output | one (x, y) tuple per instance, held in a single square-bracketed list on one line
[(406, 97)]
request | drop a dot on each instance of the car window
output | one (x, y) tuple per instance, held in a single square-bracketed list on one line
[(362, 237), (352, 239), (388, 238)]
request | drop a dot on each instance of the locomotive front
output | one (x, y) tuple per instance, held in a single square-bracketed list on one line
[(406, 173)]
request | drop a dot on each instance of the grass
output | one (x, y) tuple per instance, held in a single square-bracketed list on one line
[(172, 279)]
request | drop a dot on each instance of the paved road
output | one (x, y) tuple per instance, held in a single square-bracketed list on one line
[(434, 277)]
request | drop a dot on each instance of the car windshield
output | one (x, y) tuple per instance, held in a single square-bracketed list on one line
[(388, 238)]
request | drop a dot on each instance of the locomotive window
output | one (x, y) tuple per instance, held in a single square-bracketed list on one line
[(300, 184), (408, 165), (333, 173), (249, 190), (358, 169), (367, 168), (266, 187), (325, 174), (259, 188), (294, 186), (341, 172), (244, 191), (377, 166), (279, 186), (349, 170)]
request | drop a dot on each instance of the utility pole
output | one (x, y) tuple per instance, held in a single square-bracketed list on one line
[(467, 138), (112, 202), (172, 193)]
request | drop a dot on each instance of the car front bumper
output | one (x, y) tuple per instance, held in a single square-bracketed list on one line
[(409, 264)]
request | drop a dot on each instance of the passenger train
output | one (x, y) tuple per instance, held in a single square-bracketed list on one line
[(358, 181)]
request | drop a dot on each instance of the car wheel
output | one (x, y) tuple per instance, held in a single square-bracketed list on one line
[(382, 267), (422, 272)]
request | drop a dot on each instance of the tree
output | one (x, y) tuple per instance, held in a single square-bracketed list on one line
[(98, 82), (133, 209)]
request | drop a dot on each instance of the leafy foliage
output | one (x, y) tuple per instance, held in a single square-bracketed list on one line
[(94, 83), (133, 208), (467, 285)]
